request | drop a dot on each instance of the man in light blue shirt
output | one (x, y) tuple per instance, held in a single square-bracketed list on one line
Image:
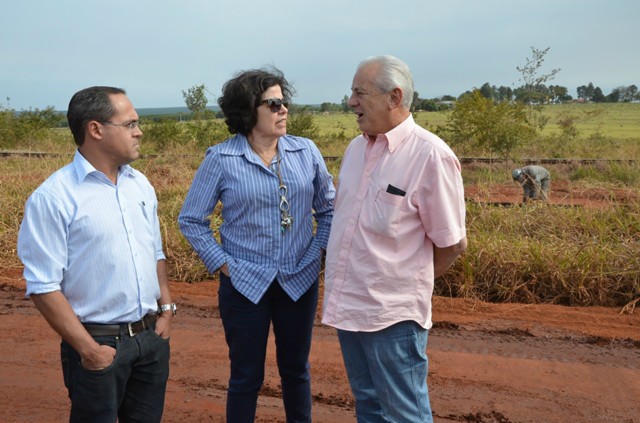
[(94, 266)]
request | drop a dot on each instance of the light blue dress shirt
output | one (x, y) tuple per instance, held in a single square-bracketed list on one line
[(97, 242), (253, 244)]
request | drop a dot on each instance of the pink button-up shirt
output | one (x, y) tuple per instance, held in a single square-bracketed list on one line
[(379, 266)]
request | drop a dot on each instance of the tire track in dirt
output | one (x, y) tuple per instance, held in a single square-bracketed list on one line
[(522, 344), (535, 373)]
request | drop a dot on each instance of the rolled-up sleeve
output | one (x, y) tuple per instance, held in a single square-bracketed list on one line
[(42, 243)]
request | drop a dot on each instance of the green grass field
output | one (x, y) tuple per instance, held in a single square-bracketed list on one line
[(607, 130)]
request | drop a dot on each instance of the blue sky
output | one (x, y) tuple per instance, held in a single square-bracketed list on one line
[(156, 48)]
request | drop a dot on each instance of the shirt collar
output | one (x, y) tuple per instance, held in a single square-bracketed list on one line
[(83, 168), (397, 135), (239, 145)]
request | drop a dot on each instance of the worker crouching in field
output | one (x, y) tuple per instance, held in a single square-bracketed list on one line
[(535, 182)]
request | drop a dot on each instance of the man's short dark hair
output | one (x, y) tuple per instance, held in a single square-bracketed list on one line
[(242, 95), (90, 104)]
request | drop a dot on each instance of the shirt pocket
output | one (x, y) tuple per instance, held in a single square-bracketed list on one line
[(142, 217), (385, 215), (146, 208)]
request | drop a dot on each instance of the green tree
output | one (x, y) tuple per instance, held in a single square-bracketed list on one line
[(196, 100), (27, 125), (487, 90), (7, 126), (504, 93), (614, 96), (585, 92), (631, 94), (425, 104), (41, 119), (345, 104), (532, 78), (481, 123), (558, 93), (598, 96), (330, 107), (164, 133), (534, 92), (302, 124), (627, 94)]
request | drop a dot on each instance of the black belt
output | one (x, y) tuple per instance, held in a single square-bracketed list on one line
[(131, 329)]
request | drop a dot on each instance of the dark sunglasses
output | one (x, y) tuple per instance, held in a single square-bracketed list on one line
[(275, 104)]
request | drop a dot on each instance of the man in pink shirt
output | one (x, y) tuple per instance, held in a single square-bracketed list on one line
[(399, 222)]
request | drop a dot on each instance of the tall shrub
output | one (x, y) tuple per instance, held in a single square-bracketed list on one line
[(480, 123)]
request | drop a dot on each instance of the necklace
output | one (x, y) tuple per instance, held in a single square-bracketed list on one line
[(286, 220), (265, 160)]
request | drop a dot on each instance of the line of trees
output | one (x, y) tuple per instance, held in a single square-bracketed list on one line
[(534, 94), (543, 94), (535, 91), (621, 94)]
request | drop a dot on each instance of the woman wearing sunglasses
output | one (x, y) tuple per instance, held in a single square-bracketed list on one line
[(272, 187)]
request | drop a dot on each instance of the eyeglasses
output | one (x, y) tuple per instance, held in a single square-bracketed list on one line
[(130, 125), (275, 104)]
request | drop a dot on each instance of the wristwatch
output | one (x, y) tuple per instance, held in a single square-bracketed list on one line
[(167, 307)]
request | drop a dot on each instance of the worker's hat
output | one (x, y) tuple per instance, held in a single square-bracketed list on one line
[(516, 173)]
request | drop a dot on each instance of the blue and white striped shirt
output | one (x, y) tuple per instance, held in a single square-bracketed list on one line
[(97, 242), (253, 244)]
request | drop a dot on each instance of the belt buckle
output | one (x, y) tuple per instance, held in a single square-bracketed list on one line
[(132, 330)]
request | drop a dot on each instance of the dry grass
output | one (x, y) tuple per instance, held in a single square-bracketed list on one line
[(546, 254), (19, 177), (534, 254)]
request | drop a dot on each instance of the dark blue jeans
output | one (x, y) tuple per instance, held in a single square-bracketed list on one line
[(131, 389), (246, 328)]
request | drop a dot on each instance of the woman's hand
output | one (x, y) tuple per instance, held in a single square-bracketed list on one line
[(224, 269)]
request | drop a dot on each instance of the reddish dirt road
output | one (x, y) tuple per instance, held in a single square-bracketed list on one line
[(488, 363)]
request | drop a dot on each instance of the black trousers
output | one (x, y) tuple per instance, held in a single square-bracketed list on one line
[(131, 389)]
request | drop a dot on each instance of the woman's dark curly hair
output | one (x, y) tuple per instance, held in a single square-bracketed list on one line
[(242, 95)]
